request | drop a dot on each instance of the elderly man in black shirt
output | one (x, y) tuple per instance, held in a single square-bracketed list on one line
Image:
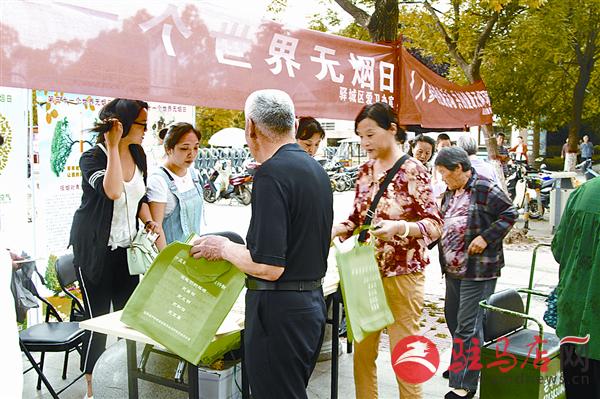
[(285, 257)]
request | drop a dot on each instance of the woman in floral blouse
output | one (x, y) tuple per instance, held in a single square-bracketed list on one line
[(407, 220)]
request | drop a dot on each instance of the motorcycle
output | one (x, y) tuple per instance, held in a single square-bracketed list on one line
[(525, 191), (586, 168), (239, 186)]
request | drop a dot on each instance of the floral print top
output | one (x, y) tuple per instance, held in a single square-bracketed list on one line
[(453, 236), (408, 197)]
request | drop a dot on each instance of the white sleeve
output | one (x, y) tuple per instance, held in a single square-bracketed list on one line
[(157, 190)]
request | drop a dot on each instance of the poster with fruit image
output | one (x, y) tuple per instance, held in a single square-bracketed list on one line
[(15, 225), (64, 123), (63, 135)]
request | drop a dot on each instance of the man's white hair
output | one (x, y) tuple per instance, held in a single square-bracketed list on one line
[(272, 110), (467, 143)]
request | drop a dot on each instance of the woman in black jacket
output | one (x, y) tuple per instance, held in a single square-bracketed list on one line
[(114, 184)]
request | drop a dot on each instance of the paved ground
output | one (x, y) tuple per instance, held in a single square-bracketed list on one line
[(231, 216)]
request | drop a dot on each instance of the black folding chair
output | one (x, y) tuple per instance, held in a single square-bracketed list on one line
[(50, 336), (67, 278)]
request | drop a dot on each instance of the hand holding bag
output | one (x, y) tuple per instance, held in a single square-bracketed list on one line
[(142, 251)]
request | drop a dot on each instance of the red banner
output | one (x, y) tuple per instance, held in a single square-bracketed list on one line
[(196, 53), (188, 53), (431, 101)]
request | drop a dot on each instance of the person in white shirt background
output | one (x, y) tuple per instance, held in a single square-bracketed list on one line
[(483, 168)]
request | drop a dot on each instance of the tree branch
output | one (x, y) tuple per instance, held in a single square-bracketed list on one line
[(361, 17), (452, 47), (481, 42), (456, 6)]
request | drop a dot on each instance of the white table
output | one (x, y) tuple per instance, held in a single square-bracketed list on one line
[(111, 324)]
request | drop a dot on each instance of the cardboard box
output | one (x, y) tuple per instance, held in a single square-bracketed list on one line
[(220, 384)]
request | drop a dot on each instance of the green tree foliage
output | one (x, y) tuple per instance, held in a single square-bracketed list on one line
[(50, 276), (211, 120), (542, 73), (6, 132)]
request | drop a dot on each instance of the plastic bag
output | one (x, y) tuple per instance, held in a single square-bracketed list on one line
[(365, 302)]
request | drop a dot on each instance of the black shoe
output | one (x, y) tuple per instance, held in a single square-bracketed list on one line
[(446, 374), (452, 395)]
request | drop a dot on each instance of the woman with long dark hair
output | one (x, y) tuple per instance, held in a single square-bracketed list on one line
[(114, 175)]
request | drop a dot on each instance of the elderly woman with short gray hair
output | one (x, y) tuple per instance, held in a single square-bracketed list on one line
[(477, 216)]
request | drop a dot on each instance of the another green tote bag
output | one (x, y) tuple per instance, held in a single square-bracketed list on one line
[(365, 302), (181, 301)]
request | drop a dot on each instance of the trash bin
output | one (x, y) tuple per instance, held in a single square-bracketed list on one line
[(513, 356), (562, 188)]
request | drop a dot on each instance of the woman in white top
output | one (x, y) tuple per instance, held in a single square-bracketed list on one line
[(114, 185), (174, 191)]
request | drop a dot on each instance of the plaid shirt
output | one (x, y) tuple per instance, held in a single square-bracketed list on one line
[(491, 215)]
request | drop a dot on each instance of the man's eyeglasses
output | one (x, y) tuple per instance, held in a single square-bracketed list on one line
[(142, 124)]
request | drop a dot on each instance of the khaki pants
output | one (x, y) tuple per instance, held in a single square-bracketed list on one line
[(405, 297)]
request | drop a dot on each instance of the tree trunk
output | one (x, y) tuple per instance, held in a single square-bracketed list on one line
[(577, 110), (383, 25), (585, 60), (536, 143)]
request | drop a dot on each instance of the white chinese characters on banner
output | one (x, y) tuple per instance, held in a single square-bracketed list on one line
[(425, 92), (283, 48), (232, 45), (327, 65), (172, 12), (364, 71)]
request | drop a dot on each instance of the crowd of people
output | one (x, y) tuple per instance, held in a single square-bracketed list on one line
[(442, 194)]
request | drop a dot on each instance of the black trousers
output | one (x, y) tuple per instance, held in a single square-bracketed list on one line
[(581, 374), (282, 339), (114, 287)]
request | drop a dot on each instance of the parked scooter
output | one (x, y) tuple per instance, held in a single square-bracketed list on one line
[(523, 190), (586, 168), (238, 186)]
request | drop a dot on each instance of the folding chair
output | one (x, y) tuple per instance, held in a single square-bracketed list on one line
[(506, 337), (65, 272), (50, 336)]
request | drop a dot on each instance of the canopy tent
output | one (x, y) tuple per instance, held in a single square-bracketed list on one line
[(185, 52), (228, 137)]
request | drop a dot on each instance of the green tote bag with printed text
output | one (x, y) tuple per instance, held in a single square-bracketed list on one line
[(365, 302), (181, 302)]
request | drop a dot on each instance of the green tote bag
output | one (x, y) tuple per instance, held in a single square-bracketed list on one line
[(181, 302), (365, 302)]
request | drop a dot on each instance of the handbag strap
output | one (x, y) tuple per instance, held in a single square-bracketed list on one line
[(362, 237), (128, 220)]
